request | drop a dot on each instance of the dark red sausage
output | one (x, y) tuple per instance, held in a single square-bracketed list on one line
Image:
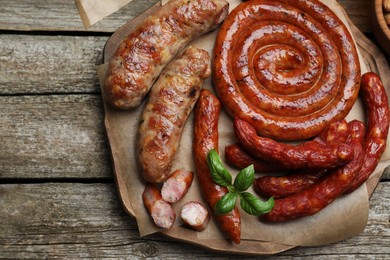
[(235, 155), (309, 155), (376, 103), (289, 68), (161, 211), (320, 194), (283, 186), (207, 112)]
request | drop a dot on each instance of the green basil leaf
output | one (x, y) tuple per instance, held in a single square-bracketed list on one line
[(254, 206), (244, 178), (219, 174), (226, 203)]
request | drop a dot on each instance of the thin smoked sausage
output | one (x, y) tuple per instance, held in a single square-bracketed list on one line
[(207, 112), (376, 103), (309, 155)]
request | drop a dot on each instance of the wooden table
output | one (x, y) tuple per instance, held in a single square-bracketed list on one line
[(57, 192)]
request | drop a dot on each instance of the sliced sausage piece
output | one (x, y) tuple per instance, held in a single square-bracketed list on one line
[(164, 116), (308, 155), (207, 112), (195, 215), (177, 185), (161, 211), (144, 53)]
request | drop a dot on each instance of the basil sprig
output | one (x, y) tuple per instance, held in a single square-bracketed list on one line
[(244, 179)]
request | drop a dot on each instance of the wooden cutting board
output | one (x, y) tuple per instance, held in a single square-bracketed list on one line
[(374, 60)]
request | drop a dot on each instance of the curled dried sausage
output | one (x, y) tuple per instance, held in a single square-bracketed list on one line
[(309, 155), (289, 68), (293, 183), (207, 112), (143, 54), (376, 103)]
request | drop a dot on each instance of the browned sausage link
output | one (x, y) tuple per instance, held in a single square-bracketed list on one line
[(177, 185), (376, 103), (289, 68), (161, 211), (164, 116), (207, 112), (143, 54), (309, 155), (320, 194), (287, 185)]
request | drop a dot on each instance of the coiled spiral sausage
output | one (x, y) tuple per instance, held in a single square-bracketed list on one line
[(288, 67)]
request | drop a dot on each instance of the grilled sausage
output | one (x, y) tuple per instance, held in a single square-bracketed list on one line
[(161, 211), (177, 185), (309, 155), (166, 112), (376, 103), (289, 68), (143, 54), (195, 215), (207, 112)]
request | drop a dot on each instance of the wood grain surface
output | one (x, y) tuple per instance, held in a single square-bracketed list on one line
[(57, 193)]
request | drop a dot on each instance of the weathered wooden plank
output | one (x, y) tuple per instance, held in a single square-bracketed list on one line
[(61, 15), (71, 220), (53, 137), (49, 64), (360, 13)]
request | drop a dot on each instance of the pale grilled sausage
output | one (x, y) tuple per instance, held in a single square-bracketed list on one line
[(144, 53), (164, 116)]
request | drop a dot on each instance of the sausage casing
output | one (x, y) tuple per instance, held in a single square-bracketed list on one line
[(309, 155), (207, 112), (289, 68), (143, 54), (282, 186), (170, 103), (378, 117)]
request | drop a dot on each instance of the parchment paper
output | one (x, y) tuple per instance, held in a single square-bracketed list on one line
[(92, 11), (345, 217)]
